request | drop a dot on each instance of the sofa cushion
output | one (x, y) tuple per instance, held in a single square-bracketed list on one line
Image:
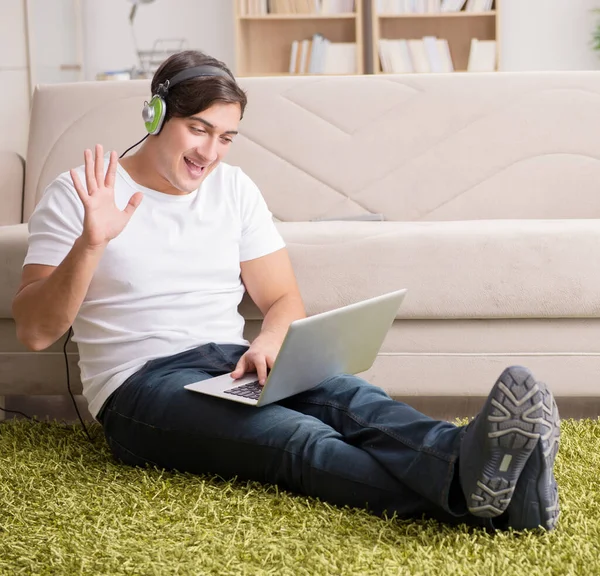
[(13, 247), (12, 172), (473, 269), (411, 147)]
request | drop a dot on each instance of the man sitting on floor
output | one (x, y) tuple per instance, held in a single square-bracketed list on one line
[(148, 258)]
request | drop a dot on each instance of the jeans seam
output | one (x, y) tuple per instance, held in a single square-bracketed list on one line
[(391, 433), (449, 477), (110, 409), (137, 456), (447, 485)]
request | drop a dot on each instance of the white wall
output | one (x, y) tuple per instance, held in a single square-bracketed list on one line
[(14, 77), (548, 35), (53, 40), (108, 45)]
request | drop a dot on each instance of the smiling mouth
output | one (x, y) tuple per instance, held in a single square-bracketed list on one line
[(193, 167)]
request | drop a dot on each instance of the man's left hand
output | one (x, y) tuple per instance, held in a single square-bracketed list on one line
[(259, 358)]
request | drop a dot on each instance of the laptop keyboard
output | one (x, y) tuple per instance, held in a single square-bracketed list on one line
[(252, 390)]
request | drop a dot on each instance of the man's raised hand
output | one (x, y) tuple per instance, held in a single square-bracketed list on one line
[(103, 220)]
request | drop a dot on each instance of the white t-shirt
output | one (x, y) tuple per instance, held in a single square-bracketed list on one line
[(169, 282)]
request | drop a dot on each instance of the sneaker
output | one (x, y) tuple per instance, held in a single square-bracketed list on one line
[(499, 441), (535, 500)]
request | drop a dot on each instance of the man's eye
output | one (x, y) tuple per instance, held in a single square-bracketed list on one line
[(227, 140), (198, 130)]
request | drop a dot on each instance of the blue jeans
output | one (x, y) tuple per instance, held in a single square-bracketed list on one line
[(345, 441)]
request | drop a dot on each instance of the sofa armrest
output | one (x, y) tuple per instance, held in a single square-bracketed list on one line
[(13, 249), (12, 170)]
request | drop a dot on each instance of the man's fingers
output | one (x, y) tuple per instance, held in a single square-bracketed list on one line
[(254, 362), (261, 369), (81, 191), (240, 369), (90, 180), (99, 165), (109, 181), (133, 203)]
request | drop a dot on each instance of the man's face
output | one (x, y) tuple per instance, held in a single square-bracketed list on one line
[(190, 148)]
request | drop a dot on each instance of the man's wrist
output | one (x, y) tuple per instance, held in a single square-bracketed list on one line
[(87, 248), (272, 334)]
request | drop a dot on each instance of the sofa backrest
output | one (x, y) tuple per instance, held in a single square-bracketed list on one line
[(409, 147), (12, 174)]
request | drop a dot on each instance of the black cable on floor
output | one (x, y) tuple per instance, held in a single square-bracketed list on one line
[(16, 412)]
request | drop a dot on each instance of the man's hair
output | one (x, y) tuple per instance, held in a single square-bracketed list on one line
[(196, 94)]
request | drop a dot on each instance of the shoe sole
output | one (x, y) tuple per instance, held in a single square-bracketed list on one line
[(516, 419), (535, 503), (549, 442)]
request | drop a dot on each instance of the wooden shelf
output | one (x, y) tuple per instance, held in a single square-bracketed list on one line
[(264, 41), (462, 14), (349, 16), (458, 28), (413, 73)]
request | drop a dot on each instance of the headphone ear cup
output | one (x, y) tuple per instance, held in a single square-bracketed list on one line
[(154, 115)]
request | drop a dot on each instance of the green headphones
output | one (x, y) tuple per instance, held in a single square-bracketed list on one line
[(154, 111)]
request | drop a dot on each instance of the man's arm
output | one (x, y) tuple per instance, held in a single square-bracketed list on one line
[(50, 297), (271, 283)]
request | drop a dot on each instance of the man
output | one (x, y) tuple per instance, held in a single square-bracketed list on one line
[(148, 260)]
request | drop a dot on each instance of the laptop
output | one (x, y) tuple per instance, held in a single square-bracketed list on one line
[(341, 341)]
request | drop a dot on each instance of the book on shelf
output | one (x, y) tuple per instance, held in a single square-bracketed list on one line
[(453, 5), (482, 56), (479, 5), (408, 6), (337, 6), (253, 7), (406, 56), (318, 55), (264, 7), (432, 6)]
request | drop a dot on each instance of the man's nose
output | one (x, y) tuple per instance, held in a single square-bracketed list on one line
[(209, 149)]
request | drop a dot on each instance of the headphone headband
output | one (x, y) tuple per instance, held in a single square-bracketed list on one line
[(154, 112), (189, 73)]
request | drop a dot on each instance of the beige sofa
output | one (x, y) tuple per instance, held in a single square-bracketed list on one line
[(489, 185), (12, 174)]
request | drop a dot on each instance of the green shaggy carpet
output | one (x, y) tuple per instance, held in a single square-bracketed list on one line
[(66, 508)]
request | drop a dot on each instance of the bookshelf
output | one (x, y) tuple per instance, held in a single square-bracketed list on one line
[(457, 27), (264, 38)]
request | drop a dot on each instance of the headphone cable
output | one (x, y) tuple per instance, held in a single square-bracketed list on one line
[(16, 412), (68, 387), (69, 384), (136, 144)]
